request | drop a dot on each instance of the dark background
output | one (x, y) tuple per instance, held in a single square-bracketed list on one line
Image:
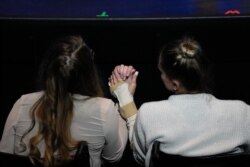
[(131, 42)]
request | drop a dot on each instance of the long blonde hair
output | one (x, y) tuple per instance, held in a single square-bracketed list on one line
[(68, 69)]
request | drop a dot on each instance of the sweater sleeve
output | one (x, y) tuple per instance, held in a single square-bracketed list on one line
[(116, 135), (130, 125), (8, 136), (247, 127), (138, 141)]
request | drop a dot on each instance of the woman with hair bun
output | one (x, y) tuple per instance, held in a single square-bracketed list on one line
[(192, 121)]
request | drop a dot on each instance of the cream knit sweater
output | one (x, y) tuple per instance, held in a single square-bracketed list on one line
[(191, 125)]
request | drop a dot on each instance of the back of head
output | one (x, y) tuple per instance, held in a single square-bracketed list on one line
[(69, 64), (183, 60)]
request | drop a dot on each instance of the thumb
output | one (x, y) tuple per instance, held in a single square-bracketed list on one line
[(134, 77)]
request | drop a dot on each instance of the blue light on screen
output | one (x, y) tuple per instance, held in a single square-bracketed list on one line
[(120, 8)]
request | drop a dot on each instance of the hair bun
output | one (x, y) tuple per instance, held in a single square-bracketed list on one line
[(187, 52), (189, 48)]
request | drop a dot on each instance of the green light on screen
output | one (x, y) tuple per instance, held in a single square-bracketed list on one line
[(103, 14)]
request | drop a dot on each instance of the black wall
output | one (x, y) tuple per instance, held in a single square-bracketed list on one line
[(225, 41)]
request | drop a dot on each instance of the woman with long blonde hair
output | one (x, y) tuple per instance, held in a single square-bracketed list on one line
[(47, 125)]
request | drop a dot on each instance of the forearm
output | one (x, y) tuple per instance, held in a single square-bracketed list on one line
[(125, 99), (128, 109)]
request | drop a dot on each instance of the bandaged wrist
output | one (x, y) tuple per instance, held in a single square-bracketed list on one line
[(122, 94), (128, 110)]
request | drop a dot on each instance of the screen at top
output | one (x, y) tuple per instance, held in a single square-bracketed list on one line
[(97, 9)]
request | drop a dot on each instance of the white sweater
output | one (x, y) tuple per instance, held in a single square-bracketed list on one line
[(191, 125), (95, 120)]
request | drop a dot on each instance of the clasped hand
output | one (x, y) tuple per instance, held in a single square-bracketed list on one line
[(123, 73)]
